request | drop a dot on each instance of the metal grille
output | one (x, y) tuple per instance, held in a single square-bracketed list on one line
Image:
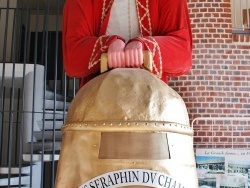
[(35, 93), (240, 16)]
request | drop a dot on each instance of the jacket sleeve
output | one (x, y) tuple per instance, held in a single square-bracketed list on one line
[(171, 44), (82, 47)]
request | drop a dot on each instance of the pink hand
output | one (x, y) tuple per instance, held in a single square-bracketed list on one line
[(133, 54), (116, 57)]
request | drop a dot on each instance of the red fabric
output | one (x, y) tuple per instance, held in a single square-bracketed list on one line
[(165, 32)]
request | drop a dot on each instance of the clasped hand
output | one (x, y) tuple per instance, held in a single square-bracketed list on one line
[(121, 55)]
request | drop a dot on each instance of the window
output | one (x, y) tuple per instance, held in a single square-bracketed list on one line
[(240, 16)]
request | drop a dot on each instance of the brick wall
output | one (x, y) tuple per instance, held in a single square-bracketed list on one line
[(219, 83)]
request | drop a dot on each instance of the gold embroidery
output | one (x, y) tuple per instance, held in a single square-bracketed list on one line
[(94, 56), (155, 50), (105, 9), (146, 15), (94, 59)]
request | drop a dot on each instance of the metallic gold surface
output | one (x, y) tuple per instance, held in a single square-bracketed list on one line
[(118, 150), (128, 126), (134, 108), (127, 95)]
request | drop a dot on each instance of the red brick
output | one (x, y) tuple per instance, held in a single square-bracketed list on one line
[(219, 81)]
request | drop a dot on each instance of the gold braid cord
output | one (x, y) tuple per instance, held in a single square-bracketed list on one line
[(100, 45), (105, 8), (153, 46), (146, 30), (144, 17), (99, 48)]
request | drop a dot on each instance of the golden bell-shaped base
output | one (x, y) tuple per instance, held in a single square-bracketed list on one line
[(127, 128)]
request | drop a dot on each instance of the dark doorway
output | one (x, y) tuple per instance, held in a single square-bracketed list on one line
[(42, 47)]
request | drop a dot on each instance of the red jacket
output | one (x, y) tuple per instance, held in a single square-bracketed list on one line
[(165, 28)]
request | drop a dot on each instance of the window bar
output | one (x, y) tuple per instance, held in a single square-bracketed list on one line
[(18, 138), (248, 21), (10, 127), (12, 93), (235, 17), (15, 52), (74, 87), (65, 96), (44, 59), (5, 35), (1, 122), (18, 129), (241, 20), (15, 55), (55, 92), (3, 71), (26, 9), (12, 55), (20, 14), (10, 131), (3, 103), (17, 126), (34, 92)]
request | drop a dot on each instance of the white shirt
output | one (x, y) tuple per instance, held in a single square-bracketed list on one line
[(123, 20)]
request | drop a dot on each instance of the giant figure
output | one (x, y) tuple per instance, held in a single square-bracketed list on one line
[(126, 127), (124, 28)]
